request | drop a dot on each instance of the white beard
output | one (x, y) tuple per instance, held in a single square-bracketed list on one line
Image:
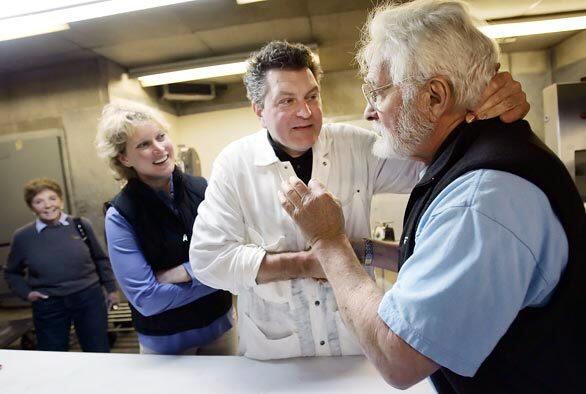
[(411, 131)]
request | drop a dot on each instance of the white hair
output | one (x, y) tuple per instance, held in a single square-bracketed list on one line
[(116, 125), (416, 41)]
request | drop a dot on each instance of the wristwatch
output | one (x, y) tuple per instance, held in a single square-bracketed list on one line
[(368, 252), (369, 257)]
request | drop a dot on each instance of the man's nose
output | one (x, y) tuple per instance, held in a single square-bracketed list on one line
[(304, 111), (370, 113)]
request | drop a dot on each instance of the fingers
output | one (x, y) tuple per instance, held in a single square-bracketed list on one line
[(294, 190), (495, 84), (504, 94), (516, 113), (506, 105), (316, 186), (299, 187)]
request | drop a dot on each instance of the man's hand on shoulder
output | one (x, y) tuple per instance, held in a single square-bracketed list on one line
[(502, 97)]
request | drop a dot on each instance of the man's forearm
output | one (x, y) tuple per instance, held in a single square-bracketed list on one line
[(358, 299), (386, 254), (357, 295), (283, 266), (279, 266)]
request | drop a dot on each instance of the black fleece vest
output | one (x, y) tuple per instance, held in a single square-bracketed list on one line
[(163, 237), (543, 349)]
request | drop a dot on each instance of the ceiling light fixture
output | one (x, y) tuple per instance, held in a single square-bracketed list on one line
[(193, 74), (29, 30), (536, 26), (248, 1), (50, 20), (194, 70)]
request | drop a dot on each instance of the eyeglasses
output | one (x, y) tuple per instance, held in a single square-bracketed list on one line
[(373, 96)]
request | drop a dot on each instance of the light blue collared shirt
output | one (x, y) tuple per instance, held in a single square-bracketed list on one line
[(40, 225), (488, 246)]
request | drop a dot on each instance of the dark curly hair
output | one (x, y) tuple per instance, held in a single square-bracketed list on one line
[(277, 55)]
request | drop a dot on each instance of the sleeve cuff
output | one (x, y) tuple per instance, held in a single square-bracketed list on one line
[(393, 318), (187, 266)]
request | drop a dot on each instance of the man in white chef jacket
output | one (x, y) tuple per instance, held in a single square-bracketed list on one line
[(244, 242)]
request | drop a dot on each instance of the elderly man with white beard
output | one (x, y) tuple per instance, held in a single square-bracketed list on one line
[(247, 244), (492, 251)]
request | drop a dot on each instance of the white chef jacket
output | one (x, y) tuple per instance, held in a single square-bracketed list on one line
[(241, 219)]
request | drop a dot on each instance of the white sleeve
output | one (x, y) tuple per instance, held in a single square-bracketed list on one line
[(395, 175), (218, 254)]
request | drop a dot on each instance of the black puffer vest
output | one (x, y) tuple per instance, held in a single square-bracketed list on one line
[(163, 237), (543, 349)]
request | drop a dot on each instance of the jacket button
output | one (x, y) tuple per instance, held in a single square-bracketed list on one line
[(317, 303), (322, 343)]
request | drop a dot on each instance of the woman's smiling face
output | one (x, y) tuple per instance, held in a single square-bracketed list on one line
[(47, 205), (150, 152)]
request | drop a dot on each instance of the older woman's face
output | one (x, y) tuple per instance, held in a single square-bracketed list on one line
[(150, 152), (47, 205)]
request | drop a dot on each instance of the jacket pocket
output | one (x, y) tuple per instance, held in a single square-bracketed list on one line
[(254, 343)]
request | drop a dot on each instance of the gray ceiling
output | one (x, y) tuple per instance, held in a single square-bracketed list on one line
[(206, 28)]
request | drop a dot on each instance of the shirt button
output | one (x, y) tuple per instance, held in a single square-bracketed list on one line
[(322, 343), (317, 303), (325, 163)]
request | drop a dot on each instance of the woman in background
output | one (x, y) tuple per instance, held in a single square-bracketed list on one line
[(148, 227), (64, 273)]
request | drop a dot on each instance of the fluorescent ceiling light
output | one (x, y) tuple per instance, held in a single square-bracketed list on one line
[(248, 1), (23, 7), (194, 70), (193, 74), (44, 19), (27, 31), (527, 28)]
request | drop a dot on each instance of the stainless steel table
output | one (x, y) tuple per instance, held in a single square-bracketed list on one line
[(34, 372)]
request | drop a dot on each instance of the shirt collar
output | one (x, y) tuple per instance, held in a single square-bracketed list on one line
[(40, 225), (264, 154), (284, 156)]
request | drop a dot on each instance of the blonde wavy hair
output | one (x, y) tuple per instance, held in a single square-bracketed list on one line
[(116, 125)]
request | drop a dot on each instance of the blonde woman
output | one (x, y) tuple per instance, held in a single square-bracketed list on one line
[(148, 227)]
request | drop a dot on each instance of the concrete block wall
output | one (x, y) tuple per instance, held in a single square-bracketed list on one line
[(68, 97)]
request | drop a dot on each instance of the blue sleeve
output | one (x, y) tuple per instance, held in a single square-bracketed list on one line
[(477, 262), (135, 276)]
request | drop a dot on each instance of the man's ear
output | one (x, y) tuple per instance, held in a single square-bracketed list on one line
[(124, 160), (436, 97), (258, 111)]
